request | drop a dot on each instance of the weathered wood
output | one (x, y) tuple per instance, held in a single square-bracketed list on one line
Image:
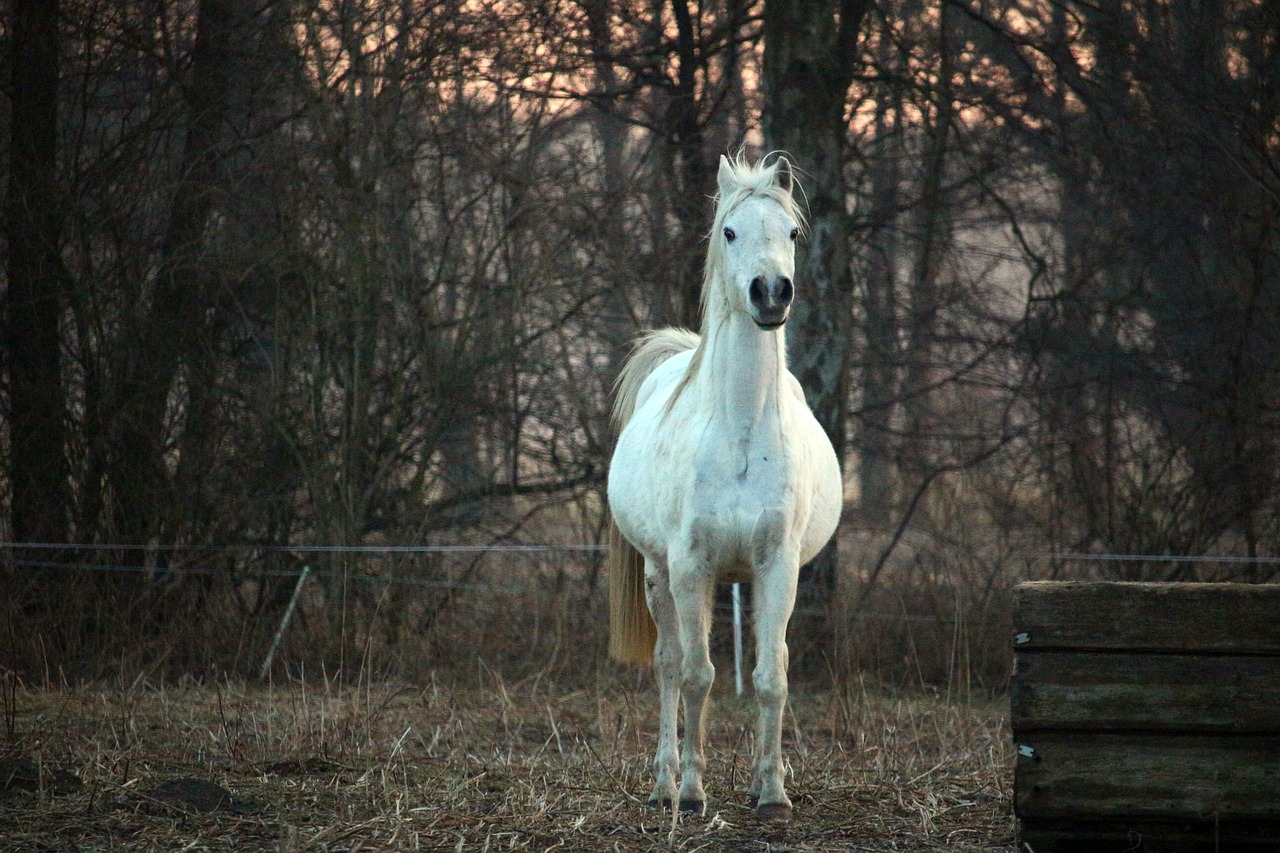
[(1147, 717), (1073, 836), (1093, 691), (1156, 617), (1161, 777)]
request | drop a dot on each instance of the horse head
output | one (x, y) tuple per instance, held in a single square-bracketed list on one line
[(752, 247)]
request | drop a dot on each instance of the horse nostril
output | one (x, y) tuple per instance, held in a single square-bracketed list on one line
[(756, 291), (785, 291)]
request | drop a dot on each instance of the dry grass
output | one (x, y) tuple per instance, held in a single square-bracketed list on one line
[(476, 763)]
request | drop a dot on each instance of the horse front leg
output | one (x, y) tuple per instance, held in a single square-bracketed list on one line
[(666, 669), (774, 599), (692, 593)]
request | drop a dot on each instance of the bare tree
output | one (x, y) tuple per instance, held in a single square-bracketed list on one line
[(35, 295)]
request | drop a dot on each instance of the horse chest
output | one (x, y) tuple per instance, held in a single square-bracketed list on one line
[(742, 495), (741, 468)]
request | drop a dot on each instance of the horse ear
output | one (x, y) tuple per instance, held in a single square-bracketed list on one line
[(725, 177), (782, 174)]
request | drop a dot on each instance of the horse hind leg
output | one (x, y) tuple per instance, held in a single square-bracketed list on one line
[(666, 666)]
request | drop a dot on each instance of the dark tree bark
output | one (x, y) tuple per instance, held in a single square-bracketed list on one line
[(809, 61), (876, 374), (694, 167), (38, 462), (926, 288), (169, 330)]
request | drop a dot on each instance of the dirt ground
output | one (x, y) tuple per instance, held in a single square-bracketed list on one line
[(474, 763)]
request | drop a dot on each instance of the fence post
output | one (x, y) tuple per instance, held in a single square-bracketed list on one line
[(284, 623), (737, 637)]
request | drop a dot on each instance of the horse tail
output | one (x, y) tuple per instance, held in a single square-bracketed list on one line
[(632, 634)]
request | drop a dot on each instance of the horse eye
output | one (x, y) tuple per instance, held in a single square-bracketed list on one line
[(729, 235), (795, 232)]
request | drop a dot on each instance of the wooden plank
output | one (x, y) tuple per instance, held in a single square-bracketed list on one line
[(1093, 691), (1170, 617), (1080, 836), (1093, 776)]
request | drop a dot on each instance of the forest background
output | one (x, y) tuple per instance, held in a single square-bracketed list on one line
[(360, 273)]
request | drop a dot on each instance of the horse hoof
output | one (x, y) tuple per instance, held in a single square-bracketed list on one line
[(774, 813), (664, 803), (693, 806)]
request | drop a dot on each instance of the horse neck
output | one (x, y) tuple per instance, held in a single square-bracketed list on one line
[(743, 369)]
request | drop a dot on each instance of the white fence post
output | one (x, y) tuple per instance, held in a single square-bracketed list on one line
[(284, 623), (737, 637)]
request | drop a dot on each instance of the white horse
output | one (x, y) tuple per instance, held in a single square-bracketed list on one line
[(721, 473)]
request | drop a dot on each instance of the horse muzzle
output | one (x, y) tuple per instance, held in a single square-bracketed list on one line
[(771, 300)]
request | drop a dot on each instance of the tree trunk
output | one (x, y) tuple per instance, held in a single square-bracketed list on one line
[(877, 373), (809, 59), (693, 166), (933, 213), (38, 462), (168, 332)]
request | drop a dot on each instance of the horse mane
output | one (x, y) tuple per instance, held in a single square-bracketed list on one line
[(748, 180), (651, 350)]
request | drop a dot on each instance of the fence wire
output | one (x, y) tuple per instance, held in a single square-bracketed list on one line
[(223, 604)]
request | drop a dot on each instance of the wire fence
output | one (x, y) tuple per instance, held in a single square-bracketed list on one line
[(938, 615), (161, 567), (247, 608)]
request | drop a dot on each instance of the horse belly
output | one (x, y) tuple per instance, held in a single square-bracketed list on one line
[(827, 495)]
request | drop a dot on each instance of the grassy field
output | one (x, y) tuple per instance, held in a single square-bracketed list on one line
[(475, 762)]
